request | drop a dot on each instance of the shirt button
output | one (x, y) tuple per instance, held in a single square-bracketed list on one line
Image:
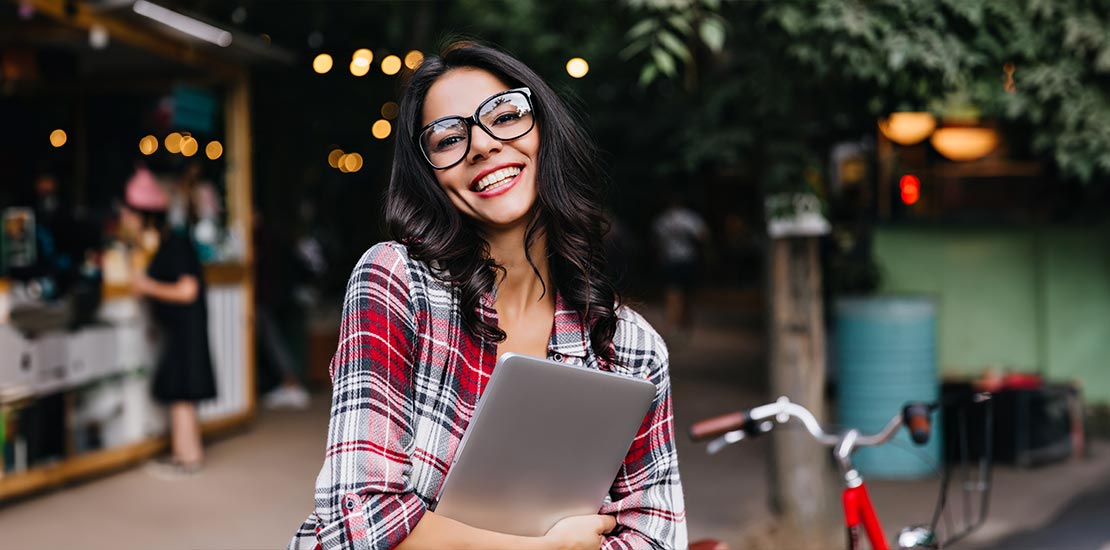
[(558, 357)]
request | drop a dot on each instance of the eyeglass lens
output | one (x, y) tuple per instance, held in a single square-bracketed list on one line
[(505, 117)]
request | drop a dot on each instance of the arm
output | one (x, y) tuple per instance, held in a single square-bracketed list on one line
[(364, 496), (646, 497), (183, 291)]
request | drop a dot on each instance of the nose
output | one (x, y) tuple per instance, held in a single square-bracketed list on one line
[(482, 145)]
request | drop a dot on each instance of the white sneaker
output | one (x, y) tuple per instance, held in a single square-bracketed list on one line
[(287, 397)]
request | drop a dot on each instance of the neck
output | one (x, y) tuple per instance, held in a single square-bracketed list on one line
[(519, 287)]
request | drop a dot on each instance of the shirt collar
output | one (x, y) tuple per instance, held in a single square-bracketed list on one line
[(569, 336)]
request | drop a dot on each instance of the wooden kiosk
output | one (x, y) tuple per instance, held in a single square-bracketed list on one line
[(118, 365)]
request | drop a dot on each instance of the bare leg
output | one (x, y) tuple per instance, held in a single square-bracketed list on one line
[(185, 433)]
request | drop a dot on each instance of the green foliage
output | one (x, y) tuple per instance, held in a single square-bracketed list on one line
[(912, 54), (669, 31)]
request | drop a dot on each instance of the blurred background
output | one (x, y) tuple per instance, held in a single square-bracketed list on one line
[(886, 200)]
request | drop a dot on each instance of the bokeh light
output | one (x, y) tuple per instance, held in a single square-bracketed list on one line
[(381, 129), (352, 162), (390, 110), (359, 67), (577, 67), (214, 150), (58, 137), (322, 63), (333, 157), (413, 59), (391, 65), (148, 145), (363, 53), (173, 142), (189, 146)]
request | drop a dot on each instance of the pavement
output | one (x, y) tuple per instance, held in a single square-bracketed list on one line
[(257, 485)]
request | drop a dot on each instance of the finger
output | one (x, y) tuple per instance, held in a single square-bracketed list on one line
[(608, 523)]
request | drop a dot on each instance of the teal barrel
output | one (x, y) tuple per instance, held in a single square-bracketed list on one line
[(886, 355)]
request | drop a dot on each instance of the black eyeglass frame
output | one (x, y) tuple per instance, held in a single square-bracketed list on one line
[(473, 121)]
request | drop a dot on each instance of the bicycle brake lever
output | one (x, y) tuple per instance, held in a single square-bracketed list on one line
[(729, 438)]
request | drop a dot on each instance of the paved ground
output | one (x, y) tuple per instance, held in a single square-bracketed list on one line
[(258, 485)]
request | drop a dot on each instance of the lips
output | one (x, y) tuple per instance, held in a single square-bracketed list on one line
[(495, 177)]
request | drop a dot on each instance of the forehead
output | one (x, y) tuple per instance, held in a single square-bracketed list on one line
[(459, 92)]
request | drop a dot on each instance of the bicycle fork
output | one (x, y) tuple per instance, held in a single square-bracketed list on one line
[(858, 510)]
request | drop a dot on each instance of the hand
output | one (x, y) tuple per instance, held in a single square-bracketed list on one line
[(139, 281), (580, 532)]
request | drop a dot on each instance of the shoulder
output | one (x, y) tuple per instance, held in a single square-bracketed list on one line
[(638, 345)]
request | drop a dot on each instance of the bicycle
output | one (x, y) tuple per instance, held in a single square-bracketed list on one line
[(858, 509)]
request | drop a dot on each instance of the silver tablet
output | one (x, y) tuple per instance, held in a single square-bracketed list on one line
[(546, 442)]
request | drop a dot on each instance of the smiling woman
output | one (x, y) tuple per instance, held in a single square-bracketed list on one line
[(495, 208)]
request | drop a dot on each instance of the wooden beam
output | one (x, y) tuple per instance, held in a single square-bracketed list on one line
[(137, 36)]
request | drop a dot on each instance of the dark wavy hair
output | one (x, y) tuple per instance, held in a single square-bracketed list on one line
[(568, 207)]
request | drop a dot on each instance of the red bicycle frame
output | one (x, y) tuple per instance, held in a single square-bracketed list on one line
[(857, 510)]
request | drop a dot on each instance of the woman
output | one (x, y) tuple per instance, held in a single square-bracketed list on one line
[(174, 283), (496, 208)]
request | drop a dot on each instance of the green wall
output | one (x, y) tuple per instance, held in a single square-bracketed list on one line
[(1020, 299)]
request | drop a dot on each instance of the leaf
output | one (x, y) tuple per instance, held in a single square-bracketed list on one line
[(648, 74), (714, 5), (672, 43), (712, 33), (681, 23), (642, 28), (664, 61), (634, 48)]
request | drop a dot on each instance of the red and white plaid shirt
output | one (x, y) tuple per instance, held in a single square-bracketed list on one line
[(406, 378)]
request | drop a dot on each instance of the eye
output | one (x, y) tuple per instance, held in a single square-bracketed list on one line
[(508, 117), (447, 142)]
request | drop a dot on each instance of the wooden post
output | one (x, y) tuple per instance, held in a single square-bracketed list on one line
[(240, 178), (803, 491)]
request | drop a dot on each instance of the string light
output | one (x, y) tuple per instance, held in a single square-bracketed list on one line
[(148, 145), (391, 65), (381, 129), (322, 63), (58, 137), (390, 110), (413, 59), (333, 157), (214, 150), (173, 142), (189, 146), (577, 67)]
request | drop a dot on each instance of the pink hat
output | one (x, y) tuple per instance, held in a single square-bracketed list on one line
[(144, 193)]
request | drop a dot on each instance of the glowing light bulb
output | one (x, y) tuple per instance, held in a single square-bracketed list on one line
[(413, 59), (391, 65), (214, 150), (381, 129), (58, 137), (148, 145), (577, 67), (322, 63)]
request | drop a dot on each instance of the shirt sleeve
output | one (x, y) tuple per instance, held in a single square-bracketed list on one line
[(364, 496), (646, 497)]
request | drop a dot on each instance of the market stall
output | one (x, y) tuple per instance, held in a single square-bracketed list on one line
[(113, 85)]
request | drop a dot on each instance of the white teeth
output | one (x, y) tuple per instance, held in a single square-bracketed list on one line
[(497, 178)]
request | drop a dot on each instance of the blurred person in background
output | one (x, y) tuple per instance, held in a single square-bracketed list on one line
[(497, 213), (174, 284), (285, 267), (679, 235)]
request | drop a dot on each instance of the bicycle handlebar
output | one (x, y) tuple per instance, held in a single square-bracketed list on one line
[(754, 422), (717, 426)]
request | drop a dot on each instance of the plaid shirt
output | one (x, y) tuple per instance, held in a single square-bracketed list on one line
[(406, 378)]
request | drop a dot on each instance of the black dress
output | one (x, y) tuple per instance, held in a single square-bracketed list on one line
[(184, 371)]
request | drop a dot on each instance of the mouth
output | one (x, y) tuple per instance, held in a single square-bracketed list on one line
[(496, 179)]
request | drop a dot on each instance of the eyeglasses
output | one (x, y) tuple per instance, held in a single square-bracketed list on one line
[(505, 116)]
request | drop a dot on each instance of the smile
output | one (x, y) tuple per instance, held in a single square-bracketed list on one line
[(496, 179)]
